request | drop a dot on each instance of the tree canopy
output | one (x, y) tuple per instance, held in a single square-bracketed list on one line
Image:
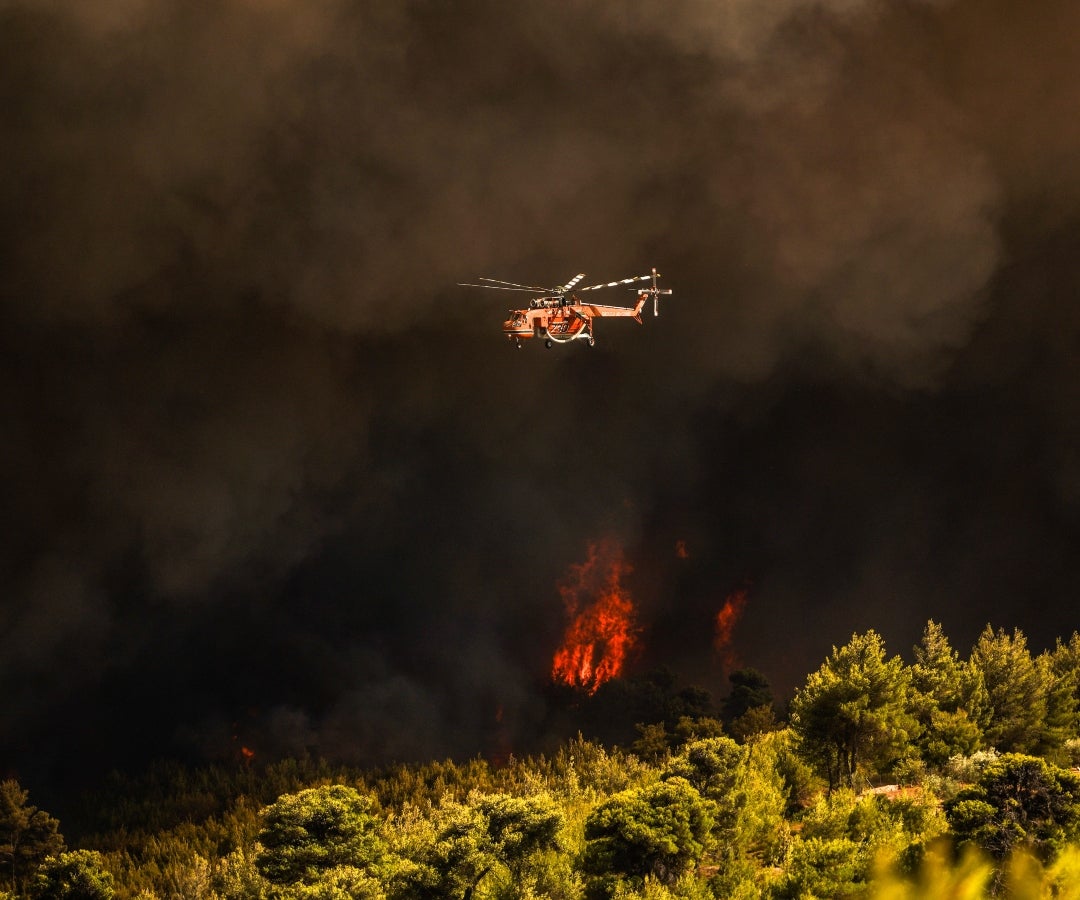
[(27, 836), (1018, 801), (658, 831), (305, 834), (698, 814), (1016, 689), (78, 875), (855, 708)]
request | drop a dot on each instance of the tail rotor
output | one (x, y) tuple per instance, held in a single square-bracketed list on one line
[(654, 292)]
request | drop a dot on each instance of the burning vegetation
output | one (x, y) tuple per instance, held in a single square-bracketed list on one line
[(602, 627), (726, 619)]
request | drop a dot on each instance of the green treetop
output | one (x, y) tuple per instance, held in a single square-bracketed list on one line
[(79, 875), (854, 710), (1060, 669), (448, 857), (307, 834), (1018, 802), (27, 836), (1016, 688), (659, 831), (948, 698)]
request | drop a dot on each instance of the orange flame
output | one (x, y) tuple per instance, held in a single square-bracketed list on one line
[(680, 549), (247, 755), (601, 631), (726, 620)]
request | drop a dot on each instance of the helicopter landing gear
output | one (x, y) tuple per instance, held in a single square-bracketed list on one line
[(547, 343)]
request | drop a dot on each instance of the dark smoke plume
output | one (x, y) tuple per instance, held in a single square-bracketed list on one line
[(271, 478)]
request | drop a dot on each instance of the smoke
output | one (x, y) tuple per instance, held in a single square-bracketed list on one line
[(265, 464)]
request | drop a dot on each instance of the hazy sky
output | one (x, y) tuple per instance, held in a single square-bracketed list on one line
[(270, 476)]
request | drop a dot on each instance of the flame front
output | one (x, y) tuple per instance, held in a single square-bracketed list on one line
[(602, 631), (725, 625)]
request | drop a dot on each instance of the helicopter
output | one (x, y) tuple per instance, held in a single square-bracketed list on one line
[(558, 316)]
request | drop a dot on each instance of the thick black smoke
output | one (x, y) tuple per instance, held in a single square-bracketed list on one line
[(271, 479)]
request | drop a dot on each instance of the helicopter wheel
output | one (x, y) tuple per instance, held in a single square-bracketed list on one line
[(547, 343)]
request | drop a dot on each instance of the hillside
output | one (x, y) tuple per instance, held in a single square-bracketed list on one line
[(975, 754)]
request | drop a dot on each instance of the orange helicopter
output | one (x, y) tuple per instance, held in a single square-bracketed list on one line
[(559, 317)]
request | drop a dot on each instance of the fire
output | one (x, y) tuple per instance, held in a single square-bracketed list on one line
[(726, 620), (680, 549), (247, 755), (601, 632)]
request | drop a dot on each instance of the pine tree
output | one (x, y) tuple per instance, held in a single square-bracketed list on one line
[(307, 834), (854, 710), (1018, 801), (944, 689), (27, 836), (1061, 670), (79, 875), (1016, 688)]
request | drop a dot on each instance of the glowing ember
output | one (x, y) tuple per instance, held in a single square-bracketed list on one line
[(601, 631), (680, 549), (725, 624), (247, 755)]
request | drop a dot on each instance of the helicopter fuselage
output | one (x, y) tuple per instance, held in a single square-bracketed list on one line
[(561, 320)]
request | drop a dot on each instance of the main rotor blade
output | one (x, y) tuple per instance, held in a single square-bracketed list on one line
[(593, 287), (531, 287), (570, 283), (498, 287)]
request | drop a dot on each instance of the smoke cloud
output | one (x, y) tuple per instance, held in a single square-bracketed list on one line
[(271, 477)]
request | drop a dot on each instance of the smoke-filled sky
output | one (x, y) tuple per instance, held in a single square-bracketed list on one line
[(269, 476)]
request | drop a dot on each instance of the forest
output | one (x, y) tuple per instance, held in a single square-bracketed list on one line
[(950, 776)]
